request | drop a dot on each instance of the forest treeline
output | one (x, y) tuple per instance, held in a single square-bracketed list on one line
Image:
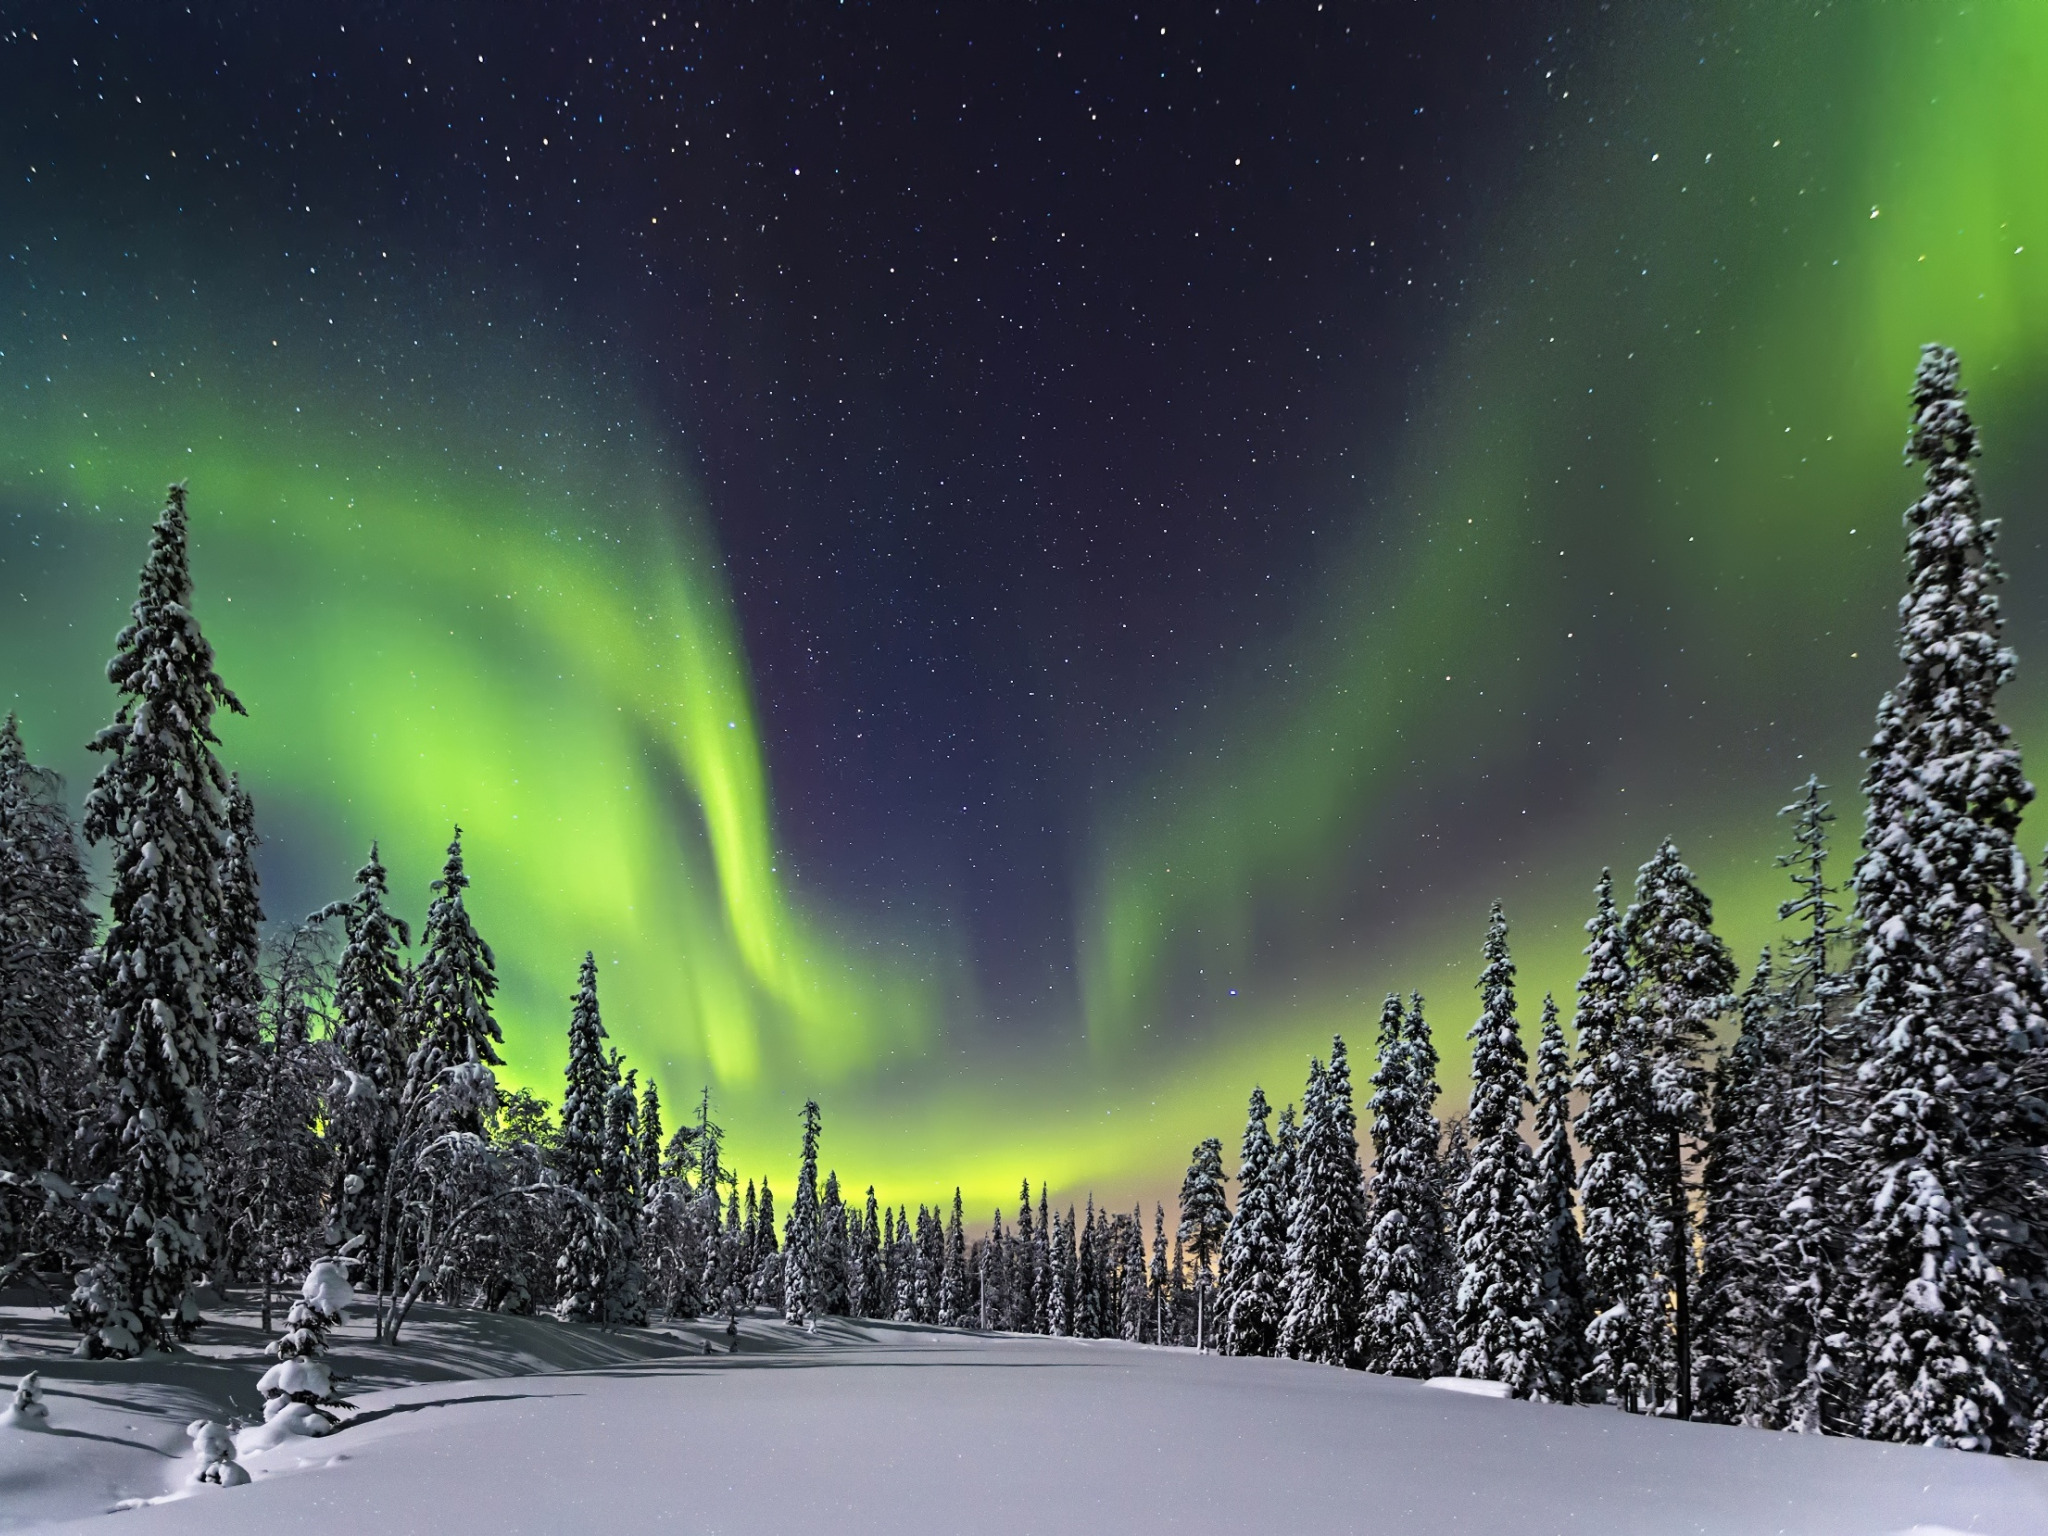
[(1816, 1201)]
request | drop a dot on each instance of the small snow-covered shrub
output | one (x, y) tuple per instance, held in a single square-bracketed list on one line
[(215, 1446), (27, 1410), (107, 1326), (298, 1391)]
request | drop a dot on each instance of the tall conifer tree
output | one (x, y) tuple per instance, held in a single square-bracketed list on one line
[(1498, 1329), (582, 1269), (1685, 981), (1560, 1249), (1325, 1225), (452, 994), (1397, 1329), (800, 1278), (1616, 1129), (1249, 1294), (1948, 1005), (160, 804)]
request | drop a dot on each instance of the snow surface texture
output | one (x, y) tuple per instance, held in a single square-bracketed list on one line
[(636, 1429)]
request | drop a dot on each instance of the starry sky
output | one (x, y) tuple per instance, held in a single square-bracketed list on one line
[(1012, 568)]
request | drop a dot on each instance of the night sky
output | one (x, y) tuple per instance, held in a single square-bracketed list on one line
[(1012, 567)]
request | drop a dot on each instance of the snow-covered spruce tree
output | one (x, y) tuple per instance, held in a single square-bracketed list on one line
[(274, 1164), (1204, 1219), (832, 1298), (994, 1273), (1815, 1099), (648, 1153), (625, 1301), (45, 931), (1435, 1245), (1060, 1301), (452, 994), (954, 1278), (237, 947), (159, 803), (1325, 1221), (1737, 1296), (800, 1238), (1685, 980), (1087, 1271), (1249, 1295), (299, 1396), (1947, 1003), (1560, 1250), (1397, 1324), (582, 1271), (1615, 1128), (871, 1273), (371, 1034), (1157, 1279), (1136, 1307), (1498, 1330)]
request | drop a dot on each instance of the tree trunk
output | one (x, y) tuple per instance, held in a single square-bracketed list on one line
[(1681, 1266)]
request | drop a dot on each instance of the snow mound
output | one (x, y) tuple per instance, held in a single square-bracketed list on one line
[(1469, 1386)]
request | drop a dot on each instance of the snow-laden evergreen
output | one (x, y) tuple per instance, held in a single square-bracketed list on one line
[(453, 1026), (1398, 1332), (1204, 1220), (1814, 1101), (1325, 1221), (299, 1392), (159, 806), (45, 1008), (1616, 1129), (372, 1034), (953, 1275), (625, 1292), (1684, 982), (1738, 1291), (800, 1278), (1497, 1327), (583, 1268), (1948, 1005), (1249, 1291), (1561, 1254)]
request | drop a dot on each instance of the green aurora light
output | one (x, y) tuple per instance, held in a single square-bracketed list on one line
[(456, 582)]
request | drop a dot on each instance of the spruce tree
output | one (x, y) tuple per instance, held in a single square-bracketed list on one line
[(1088, 1294), (1397, 1325), (1948, 1006), (872, 1293), (1561, 1253), (649, 1150), (371, 1034), (583, 1267), (160, 804), (452, 996), (1498, 1329), (833, 1254), (1157, 1276), (1435, 1245), (1249, 1298), (1204, 1219), (1325, 1222), (625, 1300), (1616, 1129), (953, 1277), (800, 1277), (1685, 980), (1737, 1296), (45, 931), (1810, 1178), (1025, 1293), (1134, 1289), (1060, 1302)]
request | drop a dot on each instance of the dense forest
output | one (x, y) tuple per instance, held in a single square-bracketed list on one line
[(1816, 1200)]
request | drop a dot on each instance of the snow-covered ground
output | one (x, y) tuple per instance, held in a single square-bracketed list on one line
[(510, 1425)]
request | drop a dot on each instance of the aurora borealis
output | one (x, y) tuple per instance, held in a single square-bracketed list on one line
[(1013, 570)]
